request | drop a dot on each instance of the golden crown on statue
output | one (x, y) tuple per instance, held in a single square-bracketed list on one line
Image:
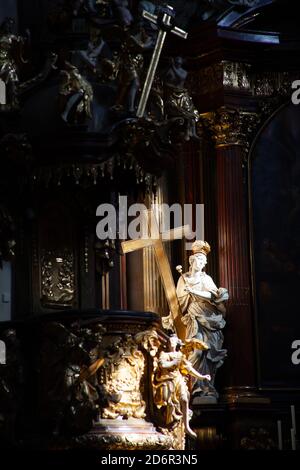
[(200, 246)]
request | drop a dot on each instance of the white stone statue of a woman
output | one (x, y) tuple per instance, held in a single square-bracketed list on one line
[(202, 305)]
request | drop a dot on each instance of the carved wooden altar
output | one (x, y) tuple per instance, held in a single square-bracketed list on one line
[(84, 381), (69, 141)]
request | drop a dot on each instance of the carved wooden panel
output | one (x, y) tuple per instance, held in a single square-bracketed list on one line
[(54, 260), (57, 278)]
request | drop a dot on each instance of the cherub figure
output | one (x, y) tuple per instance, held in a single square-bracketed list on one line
[(179, 102), (131, 67), (170, 381)]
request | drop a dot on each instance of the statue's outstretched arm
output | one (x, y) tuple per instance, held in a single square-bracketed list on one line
[(194, 373)]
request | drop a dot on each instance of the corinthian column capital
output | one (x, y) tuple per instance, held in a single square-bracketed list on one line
[(229, 126)]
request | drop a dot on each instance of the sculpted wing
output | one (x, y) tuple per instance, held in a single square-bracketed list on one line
[(191, 344)]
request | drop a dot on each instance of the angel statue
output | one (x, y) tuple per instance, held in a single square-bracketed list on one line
[(171, 392), (75, 96), (179, 102), (202, 306)]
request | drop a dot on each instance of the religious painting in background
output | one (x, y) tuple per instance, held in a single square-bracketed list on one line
[(275, 221)]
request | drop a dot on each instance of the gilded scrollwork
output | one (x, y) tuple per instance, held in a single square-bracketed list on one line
[(176, 436), (120, 378), (149, 340), (137, 441), (230, 125), (238, 125)]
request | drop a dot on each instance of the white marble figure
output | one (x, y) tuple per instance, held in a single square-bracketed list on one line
[(202, 305)]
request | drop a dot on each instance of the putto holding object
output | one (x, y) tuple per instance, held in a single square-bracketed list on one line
[(170, 381)]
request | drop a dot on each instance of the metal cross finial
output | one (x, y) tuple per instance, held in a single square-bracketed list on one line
[(163, 21)]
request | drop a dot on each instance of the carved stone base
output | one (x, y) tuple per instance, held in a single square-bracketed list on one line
[(118, 434)]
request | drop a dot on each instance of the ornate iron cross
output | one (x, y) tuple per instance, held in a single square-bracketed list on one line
[(163, 21)]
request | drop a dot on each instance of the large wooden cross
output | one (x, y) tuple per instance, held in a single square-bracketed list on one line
[(156, 240)]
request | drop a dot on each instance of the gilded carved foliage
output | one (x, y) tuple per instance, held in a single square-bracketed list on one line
[(121, 379), (131, 441), (123, 384), (262, 92), (90, 377), (229, 126), (149, 341)]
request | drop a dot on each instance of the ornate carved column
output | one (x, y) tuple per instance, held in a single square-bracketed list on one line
[(230, 129)]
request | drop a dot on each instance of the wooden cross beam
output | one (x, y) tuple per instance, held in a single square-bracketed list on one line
[(157, 240)]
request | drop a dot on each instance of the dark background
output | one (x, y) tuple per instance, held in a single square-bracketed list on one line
[(276, 245)]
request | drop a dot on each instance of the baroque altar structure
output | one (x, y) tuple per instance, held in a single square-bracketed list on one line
[(219, 129)]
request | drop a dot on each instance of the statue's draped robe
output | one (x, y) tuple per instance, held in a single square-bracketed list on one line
[(204, 321)]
